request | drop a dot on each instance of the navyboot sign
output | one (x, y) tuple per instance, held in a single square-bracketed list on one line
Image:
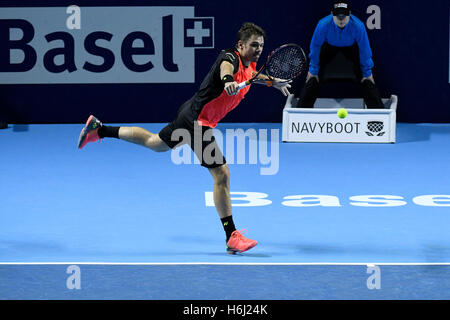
[(313, 126), (101, 44), (321, 124)]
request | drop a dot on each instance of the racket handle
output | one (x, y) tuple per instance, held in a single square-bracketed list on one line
[(243, 84)]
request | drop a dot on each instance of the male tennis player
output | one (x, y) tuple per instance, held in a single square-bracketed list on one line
[(218, 95), (340, 32)]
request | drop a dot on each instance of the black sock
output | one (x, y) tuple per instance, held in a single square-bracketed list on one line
[(228, 226), (108, 132)]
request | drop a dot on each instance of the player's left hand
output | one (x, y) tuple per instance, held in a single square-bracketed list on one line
[(282, 85)]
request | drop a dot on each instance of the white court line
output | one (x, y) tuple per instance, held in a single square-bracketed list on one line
[(231, 263)]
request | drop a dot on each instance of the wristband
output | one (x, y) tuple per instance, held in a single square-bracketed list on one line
[(227, 78)]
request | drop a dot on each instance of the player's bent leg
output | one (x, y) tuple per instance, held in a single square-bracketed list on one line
[(94, 130), (157, 144), (143, 137)]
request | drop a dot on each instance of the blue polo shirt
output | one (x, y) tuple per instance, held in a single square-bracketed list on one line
[(328, 31)]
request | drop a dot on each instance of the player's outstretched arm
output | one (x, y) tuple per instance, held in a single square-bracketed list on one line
[(279, 84), (282, 85)]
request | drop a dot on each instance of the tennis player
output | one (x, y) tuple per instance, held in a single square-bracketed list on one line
[(340, 32), (218, 94)]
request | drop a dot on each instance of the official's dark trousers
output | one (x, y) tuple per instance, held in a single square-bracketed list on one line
[(310, 90)]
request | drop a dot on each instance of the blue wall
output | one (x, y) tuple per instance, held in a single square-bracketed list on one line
[(410, 51)]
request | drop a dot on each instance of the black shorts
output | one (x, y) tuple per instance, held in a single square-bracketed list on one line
[(185, 130)]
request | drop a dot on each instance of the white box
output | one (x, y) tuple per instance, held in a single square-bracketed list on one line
[(321, 123)]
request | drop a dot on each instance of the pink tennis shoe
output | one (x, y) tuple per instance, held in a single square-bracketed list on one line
[(239, 243), (90, 132)]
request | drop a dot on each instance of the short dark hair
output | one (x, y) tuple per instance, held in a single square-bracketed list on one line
[(248, 29)]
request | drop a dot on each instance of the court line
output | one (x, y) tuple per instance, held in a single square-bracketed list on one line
[(233, 263)]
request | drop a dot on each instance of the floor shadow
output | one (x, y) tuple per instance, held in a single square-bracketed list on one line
[(20, 127), (414, 132), (238, 255)]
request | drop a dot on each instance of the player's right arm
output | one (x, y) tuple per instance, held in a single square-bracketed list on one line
[(226, 75)]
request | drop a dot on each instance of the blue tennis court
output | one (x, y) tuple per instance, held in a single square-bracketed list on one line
[(336, 221)]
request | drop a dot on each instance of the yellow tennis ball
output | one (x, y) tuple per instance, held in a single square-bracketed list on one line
[(342, 113)]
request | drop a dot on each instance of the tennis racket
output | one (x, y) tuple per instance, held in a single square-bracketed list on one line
[(286, 62)]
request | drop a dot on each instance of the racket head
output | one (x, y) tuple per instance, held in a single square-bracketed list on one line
[(286, 62)]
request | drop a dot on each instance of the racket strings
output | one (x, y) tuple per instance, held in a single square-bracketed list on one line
[(286, 63)]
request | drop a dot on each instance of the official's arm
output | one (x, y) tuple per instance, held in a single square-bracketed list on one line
[(314, 56), (365, 54)]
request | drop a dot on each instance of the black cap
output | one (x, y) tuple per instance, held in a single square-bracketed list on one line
[(341, 7)]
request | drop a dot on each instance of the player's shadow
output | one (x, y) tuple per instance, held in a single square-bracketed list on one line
[(431, 253), (237, 255), (318, 251), (198, 241)]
